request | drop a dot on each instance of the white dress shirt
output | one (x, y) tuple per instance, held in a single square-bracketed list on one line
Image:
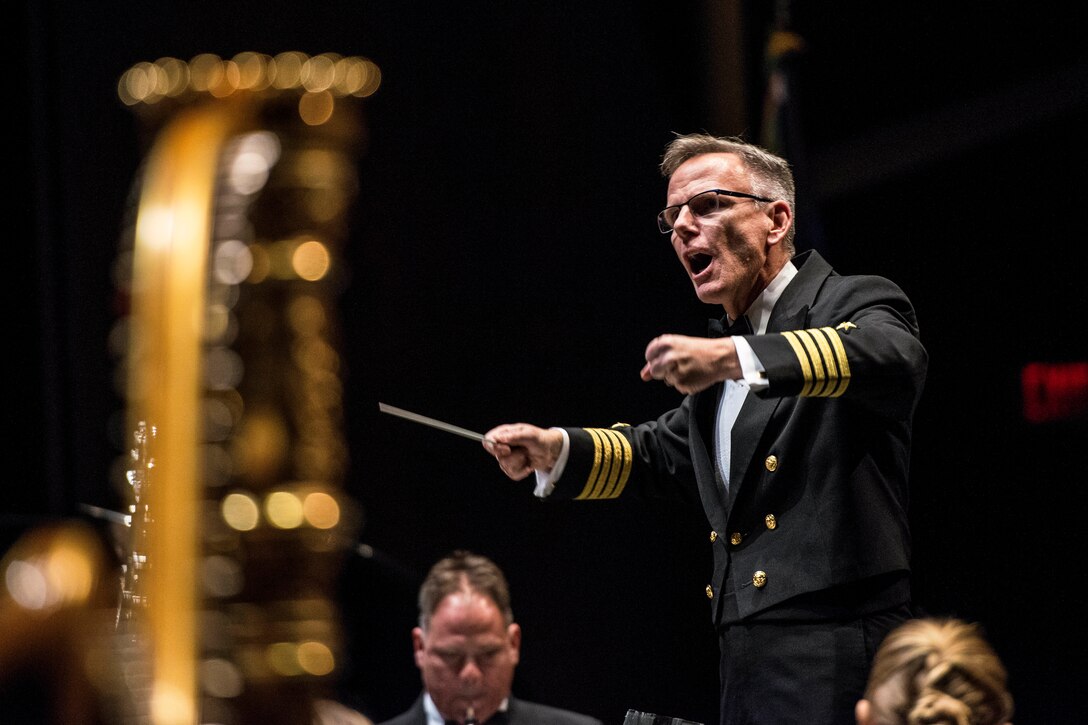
[(435, 718)]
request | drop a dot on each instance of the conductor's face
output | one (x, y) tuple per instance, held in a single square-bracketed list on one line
[(467, 656), (730, 246)]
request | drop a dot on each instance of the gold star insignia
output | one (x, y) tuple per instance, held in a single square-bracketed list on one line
[(845, 326)]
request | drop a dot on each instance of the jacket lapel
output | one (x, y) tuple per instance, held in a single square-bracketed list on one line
[(790, 313), (701, 443)]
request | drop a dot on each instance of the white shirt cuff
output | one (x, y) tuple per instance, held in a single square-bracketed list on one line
[(545, 481), (751, 368)]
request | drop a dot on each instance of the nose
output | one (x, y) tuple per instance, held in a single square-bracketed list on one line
[(470, 673), (685, 220)]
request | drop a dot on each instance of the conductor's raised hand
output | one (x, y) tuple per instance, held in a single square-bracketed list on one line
[(521, 448), (691, 364)]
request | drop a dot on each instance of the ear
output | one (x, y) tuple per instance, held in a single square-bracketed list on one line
[(513, 634), (417, 646), (861, 712), (781, 214)]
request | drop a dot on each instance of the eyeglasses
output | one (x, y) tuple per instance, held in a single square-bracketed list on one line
[(700, 205)]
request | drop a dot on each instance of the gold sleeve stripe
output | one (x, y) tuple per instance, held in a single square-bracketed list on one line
[(819, 368), (612, 442), (621, 469), (812, 367), (844, 364), (802, 359), (608, 462), (611, 465), (593, 471), (822, 358), (819, 336)]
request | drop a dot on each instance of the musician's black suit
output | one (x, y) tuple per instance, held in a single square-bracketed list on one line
[(518, 712), (814, 528)]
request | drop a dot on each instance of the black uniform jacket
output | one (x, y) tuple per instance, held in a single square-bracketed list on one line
[(820, 459), (518, 712)]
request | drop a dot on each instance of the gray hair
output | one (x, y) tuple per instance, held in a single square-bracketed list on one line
[(463, 571), (768, 174)]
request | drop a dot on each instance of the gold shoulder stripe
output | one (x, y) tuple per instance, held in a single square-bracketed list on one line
[(611, 465)]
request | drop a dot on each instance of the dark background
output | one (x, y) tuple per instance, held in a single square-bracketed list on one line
[(506, 267)]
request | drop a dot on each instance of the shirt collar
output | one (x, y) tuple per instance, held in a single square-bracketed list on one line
[(435, 718), (759, 314)]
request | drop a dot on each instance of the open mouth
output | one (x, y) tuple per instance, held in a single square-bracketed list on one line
[(699, 262)]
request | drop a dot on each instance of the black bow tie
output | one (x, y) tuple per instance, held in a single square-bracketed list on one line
[(722, 328)]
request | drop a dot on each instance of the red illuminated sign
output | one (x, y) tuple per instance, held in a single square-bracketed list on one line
[(1055, 391)]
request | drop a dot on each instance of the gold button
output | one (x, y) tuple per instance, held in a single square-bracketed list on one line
[(771, 463), (709, 592), (735, 538), (771, 521), (759, 579), (713, 535)]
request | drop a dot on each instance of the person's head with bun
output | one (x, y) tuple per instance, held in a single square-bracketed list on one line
[(936, 671)]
